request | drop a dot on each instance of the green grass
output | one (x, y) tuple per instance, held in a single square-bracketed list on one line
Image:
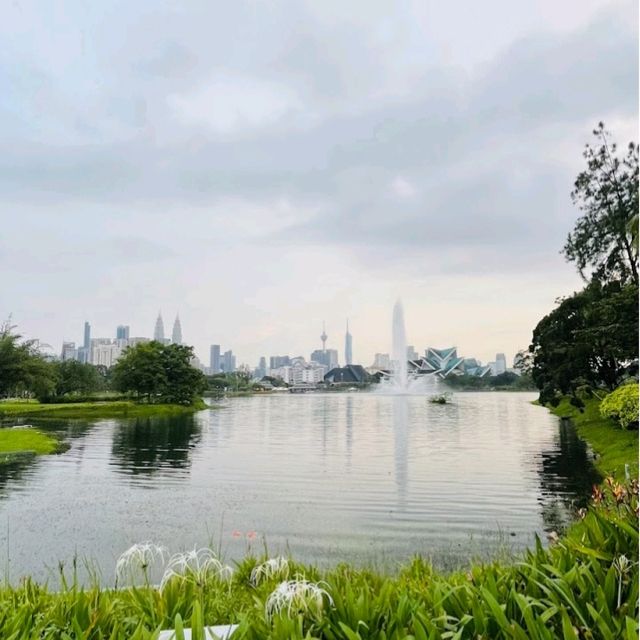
[(614, 447), (585, 586), (92, 410), (20, 445)]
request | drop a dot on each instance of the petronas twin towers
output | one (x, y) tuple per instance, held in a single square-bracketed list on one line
[(176, 334)]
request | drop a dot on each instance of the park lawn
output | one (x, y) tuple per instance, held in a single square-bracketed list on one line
[(613, 445), (79, 410)]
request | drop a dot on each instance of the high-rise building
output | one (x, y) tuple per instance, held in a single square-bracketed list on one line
[(214, 358), (275, 362), (176, 334), (228, 362), (501, 364), (381, 361), (87, 336), (326, 357), (158, 332), (412, 354), (69, 351), (122, 332), (261, 369), (105, 351), (348, 346)]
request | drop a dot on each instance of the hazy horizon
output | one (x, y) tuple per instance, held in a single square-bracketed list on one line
[(262, 168)]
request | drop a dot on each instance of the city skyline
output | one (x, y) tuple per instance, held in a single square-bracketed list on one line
[(261, 191), (228, 361)]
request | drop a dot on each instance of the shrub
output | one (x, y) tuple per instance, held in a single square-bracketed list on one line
[(622, 405)]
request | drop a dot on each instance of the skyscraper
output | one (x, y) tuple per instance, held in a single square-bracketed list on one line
[(228, 362), (158, 332), (214, 358), (176, 334), (122, 332), (501, 364), (87, 335), (348, 346)]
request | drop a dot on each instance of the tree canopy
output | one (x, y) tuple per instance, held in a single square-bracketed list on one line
[(589, 339), (160, 373), (605, 237), (23, 369)]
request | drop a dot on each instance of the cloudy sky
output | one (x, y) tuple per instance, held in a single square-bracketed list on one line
[(263, 166)]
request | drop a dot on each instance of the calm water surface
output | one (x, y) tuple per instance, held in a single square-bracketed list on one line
[(360, 477)]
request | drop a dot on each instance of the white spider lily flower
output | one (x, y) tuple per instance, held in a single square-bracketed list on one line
[(272, 568), (138, 559), (197, 565), (297, 596)]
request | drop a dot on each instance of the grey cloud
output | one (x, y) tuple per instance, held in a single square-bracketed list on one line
[(457, 138)]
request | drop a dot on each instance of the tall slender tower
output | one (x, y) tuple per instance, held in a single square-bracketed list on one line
[(87, 335), (324, 337), (158, 332), (348, 346), (176, 334)]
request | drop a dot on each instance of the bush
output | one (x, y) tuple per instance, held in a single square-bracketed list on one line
[(622, 405)]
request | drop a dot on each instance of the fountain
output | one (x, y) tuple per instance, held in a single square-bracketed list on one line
[(401, 381), (399, 347)]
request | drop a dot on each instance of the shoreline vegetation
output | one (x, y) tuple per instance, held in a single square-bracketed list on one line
[(613, 446), (584, 585), (20, 444), (93, 410)]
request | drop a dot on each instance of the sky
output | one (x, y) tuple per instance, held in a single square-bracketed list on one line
[(259, 167)]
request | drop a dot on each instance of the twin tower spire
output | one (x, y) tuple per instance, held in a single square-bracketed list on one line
[(176, 334)]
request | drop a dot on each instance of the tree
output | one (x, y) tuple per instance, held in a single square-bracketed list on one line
[(590, 338), (184, 383), (23, 369), (604, 239), (76, 377), (161, 373)]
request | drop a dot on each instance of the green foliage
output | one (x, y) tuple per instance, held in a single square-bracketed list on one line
[(615, 449), (237, 381), (23, 369), (583, 586), (622, 405), (161, 373), (605, 237), (506, 381), (73, 377), (93, 410), (588, 339)]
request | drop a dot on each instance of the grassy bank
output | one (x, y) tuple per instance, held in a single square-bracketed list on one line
[(93, 410), (614, 447), (583, 586), (20, 445)]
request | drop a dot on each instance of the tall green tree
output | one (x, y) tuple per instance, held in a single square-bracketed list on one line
[(159, 373), (589, 339), (604, 240)]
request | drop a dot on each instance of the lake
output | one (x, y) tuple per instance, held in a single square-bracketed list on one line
[(360, 477)]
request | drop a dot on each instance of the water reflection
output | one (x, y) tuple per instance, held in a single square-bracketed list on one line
[(147, 445), (400, 426), (336, 477), (566, 477)]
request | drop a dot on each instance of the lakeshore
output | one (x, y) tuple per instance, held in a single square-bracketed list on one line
[(94, 410)]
